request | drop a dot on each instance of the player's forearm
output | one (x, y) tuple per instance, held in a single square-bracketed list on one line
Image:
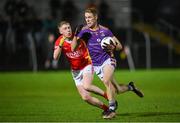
[(57, 53), (118, 47), (118, 44), (74, 43)]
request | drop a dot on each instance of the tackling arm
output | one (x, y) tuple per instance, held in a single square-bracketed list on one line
[(74, 43)]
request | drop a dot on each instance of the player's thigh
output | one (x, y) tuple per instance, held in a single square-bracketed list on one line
[(99, 72), (77, 76), (87, 75), (108, 71)]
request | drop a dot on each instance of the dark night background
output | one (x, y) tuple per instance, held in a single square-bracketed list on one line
[(28, 30)]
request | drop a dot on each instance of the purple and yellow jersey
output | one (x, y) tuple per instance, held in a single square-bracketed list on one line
[(98, 55)]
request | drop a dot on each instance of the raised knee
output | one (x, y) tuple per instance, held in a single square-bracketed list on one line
[(106, 82), (86, 97), (86, 87)]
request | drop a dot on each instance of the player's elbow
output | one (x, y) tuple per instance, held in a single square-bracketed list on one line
[(55, 56), (119, 47)]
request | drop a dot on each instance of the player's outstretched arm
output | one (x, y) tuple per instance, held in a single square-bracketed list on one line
[(75, 41)]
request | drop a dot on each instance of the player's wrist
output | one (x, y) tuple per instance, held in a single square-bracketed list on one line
[(78, 29), (113, 47), (60, 46), (76, 34)]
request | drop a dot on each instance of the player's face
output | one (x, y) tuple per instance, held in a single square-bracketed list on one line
[(91, 20), (66, 30)]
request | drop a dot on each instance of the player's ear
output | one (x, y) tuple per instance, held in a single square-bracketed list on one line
[(60, 30), (96, 17)]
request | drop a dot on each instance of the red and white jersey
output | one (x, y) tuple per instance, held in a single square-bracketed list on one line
[(79, 58)]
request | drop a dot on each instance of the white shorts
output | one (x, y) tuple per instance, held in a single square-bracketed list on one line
[(78, 74), (99, 69)]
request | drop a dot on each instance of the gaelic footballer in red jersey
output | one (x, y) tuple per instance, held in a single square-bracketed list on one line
[(81, 65), (78, 59)]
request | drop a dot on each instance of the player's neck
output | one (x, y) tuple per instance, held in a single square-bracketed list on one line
[(95, 27), (67, 38)]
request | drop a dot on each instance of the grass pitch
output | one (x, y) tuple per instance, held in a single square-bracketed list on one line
[(52, 96)]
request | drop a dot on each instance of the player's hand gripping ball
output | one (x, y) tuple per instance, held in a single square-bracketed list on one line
[(108, 44)]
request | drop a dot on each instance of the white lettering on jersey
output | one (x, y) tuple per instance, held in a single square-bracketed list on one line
[(75, 54), (98, 40)]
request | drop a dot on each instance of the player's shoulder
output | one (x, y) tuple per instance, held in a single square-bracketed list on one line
[(103, 27), (58, 40), (85, 27)]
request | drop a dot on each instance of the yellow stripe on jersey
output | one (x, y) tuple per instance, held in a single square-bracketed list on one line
[(61, 41)]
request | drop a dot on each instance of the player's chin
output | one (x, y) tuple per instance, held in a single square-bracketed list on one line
[(69, 35), (89, 25)]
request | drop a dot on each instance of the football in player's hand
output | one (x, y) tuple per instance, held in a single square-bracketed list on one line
[(107, 43)]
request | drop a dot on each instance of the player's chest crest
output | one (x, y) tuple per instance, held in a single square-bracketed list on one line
[(98, 35), (102, 34)]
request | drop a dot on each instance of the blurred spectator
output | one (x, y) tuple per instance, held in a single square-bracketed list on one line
[(22, 8), (10, 8), (21, 28), (50, 62), (105, 15), (49, 25), (169, 11), (70, 12), (18, 12), (55, 6), (148, 8), (3, 30), (37, 30), (103, 9), (92, 4)]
